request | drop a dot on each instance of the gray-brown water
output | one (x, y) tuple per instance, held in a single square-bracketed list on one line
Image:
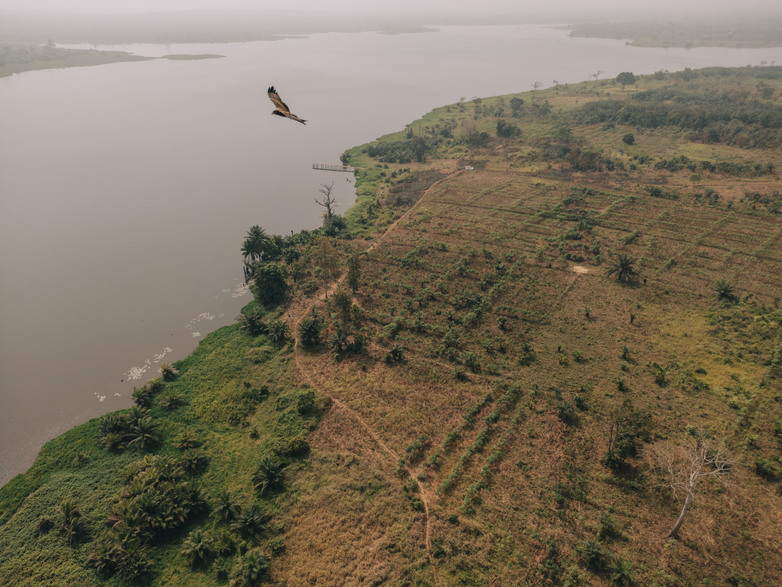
[(126, 189)]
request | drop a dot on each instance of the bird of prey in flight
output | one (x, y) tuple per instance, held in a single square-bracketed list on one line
[(280, 108)]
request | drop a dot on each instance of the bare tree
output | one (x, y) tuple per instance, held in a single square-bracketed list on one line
[(535, 87), (681, 466), (326, 261), (328, 202), (597, 75)]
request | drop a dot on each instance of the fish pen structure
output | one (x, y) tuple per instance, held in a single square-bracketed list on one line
[(327, 167)]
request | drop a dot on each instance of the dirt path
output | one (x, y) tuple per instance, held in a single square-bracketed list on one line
[(424, 495)]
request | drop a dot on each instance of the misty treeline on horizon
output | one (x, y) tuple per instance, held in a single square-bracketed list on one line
[(180, 21)]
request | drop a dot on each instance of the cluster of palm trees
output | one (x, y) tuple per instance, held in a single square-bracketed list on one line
[(242, 528), (159, 498), (254, 245), (273, 252), (135, 427), (156, 500)]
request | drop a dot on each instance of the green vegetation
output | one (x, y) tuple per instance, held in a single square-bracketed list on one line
[(146, 478)]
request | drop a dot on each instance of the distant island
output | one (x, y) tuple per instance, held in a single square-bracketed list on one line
[(187, 57), (18, 58)]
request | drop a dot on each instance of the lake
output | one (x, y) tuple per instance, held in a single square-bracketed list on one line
[(126, 189)]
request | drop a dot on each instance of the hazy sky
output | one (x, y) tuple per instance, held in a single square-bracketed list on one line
[(401, 7)]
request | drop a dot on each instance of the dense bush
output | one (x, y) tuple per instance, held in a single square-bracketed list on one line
[(269, 283), (310, 331), (507, 130), (730, 117)]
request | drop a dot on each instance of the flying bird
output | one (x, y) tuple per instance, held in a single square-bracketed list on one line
[(281, 108)]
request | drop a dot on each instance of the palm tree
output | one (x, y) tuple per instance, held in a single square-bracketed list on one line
[(142, 396), (270, 475), (104, 555), (193, 459), (623, 266), (198, 548), (71, 523), (278, 331), (170, 400), (725, 291), (252, 247), (227, 507), (251, 522), (134, 564), (250, 570), (190, 500), (133, 415), (144, 433), (187, 439)]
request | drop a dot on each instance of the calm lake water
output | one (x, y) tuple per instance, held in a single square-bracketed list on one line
[(126, 189)]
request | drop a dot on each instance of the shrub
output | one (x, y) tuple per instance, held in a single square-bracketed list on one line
[(277, 331), (593, 556), (305, 402), (310, 331), (471, 361), (250, 570), (621, 573), (269, 284), (508, 130), (607, 529), (526, 354), (566, 413), (765, 469), (395, 355), (252, 321), (659, 373), (628, 139), (297, 447)]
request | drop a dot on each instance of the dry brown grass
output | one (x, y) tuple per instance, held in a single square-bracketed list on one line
[(514, 498)]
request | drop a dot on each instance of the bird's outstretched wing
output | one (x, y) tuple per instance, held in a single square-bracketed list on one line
[(281, 108), (277, 101)]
